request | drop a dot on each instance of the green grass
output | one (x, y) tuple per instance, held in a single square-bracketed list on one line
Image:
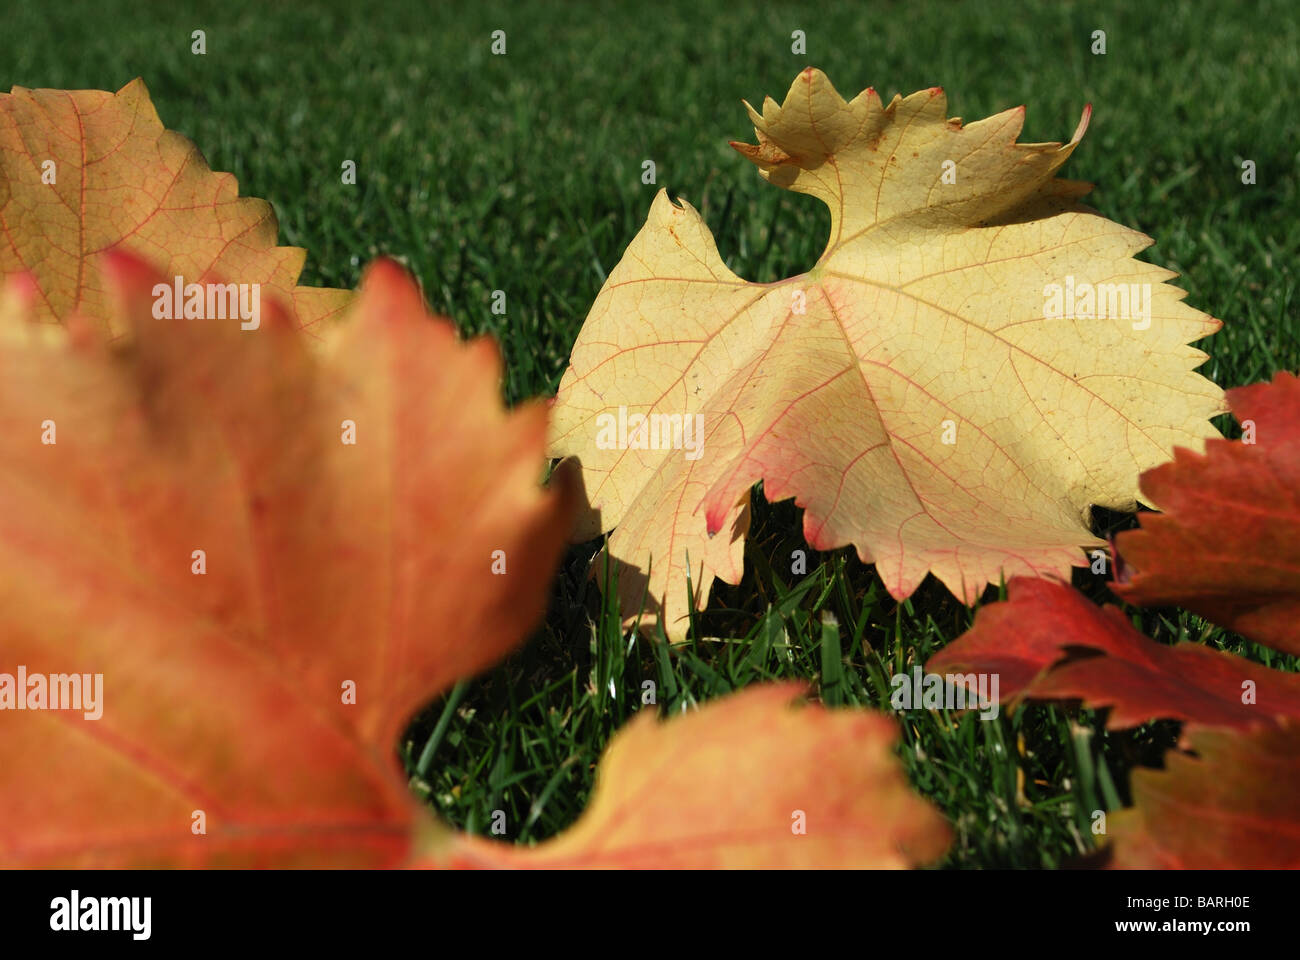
[(522, 173)]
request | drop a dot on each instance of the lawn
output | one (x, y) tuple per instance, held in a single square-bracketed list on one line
[(522, 173)]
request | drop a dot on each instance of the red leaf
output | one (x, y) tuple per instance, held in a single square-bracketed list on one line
[(1227, 545), (1048, 642), (1234, 804)]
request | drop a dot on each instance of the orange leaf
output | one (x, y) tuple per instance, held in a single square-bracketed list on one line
[(84, 172), (745, 782), (327, 568)]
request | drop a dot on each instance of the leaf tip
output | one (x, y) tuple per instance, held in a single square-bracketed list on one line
[(1082, 128)]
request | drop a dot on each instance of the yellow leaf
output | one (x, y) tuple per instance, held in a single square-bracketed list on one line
[(974, 361)]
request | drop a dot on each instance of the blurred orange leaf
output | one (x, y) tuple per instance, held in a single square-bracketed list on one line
[(746, 782), (268, 603)]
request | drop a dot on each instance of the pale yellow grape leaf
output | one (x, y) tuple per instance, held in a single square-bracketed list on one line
[(928, 319)]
